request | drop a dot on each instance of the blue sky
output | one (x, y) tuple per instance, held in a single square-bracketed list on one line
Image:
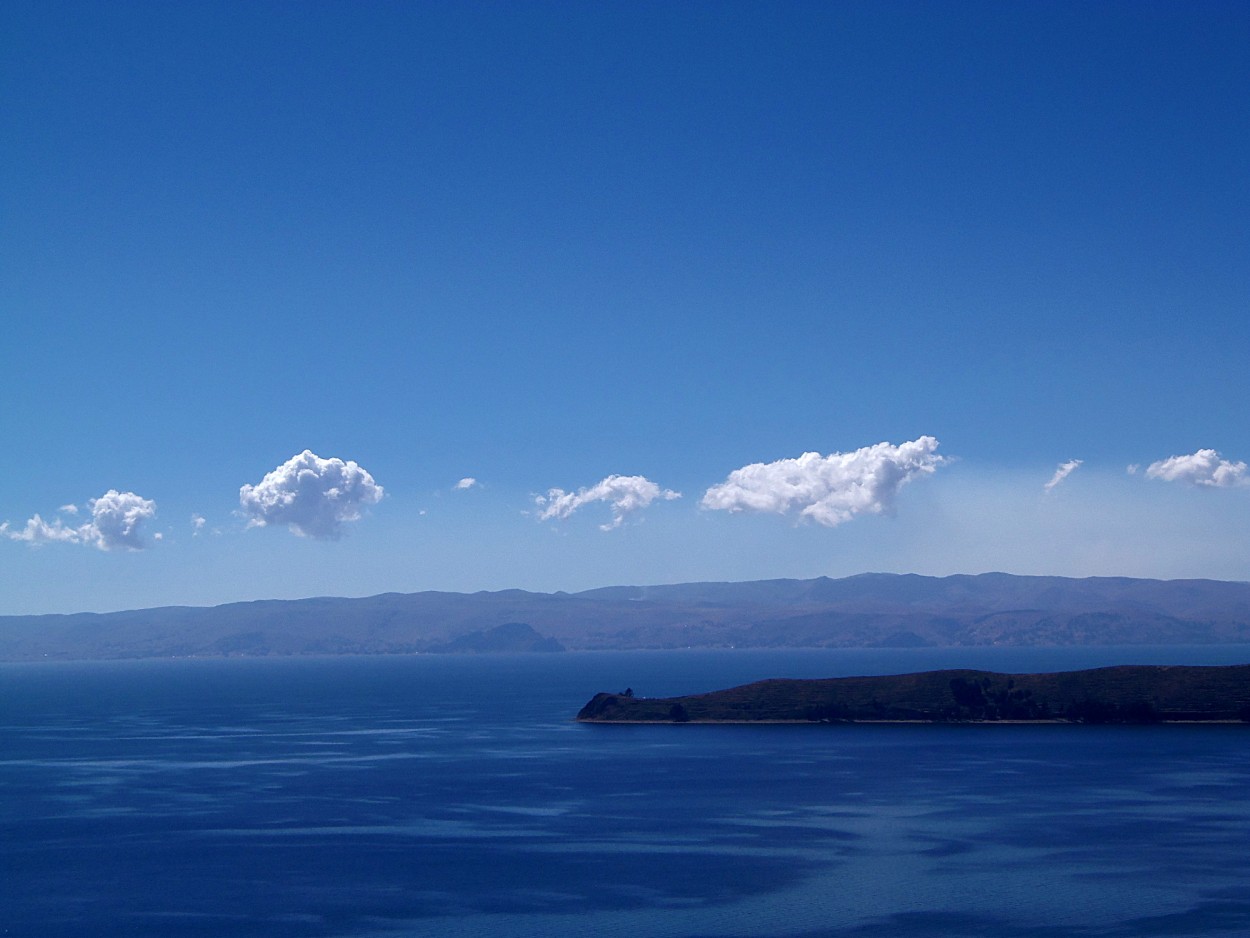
[(543, 245)]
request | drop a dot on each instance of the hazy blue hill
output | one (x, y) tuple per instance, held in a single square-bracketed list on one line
[(869, 610), (509, 638), (766, 592)]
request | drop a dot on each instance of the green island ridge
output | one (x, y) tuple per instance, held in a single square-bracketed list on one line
[(1124, 694)]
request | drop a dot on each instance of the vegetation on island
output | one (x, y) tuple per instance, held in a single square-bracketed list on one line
[(1126, 694)]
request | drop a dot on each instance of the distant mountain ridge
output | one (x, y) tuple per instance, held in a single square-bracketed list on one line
[(868, 610)]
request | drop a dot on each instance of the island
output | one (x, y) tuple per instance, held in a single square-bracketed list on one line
[(1123, 694)]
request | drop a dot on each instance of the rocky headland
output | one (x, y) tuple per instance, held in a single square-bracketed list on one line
[(1126, 694)]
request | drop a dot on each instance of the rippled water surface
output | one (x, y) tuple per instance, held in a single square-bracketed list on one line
[(449, 795)]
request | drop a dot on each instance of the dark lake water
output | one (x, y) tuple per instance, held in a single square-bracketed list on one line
[(453, 796)]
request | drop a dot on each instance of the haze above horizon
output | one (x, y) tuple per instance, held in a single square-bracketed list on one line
[(329, 299)]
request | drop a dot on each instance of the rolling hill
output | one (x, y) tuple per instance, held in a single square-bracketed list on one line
[(870, 610)]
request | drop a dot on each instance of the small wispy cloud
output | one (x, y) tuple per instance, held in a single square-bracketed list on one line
[(197, 524), (70, 509), (116, 524), (1205, 469), (466, 483), (1065, 469), (625, 494), (829, 490), (37, 531), (313, 497)]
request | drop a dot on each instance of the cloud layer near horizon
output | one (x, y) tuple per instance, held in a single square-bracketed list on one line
[(312, 496), (316, 497), (829, 490), (1204, 468), (116, 519), (626, 494)]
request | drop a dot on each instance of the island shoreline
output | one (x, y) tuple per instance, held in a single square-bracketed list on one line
[(1126, 694)]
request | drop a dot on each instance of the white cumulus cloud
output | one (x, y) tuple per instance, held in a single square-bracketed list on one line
[(1065, 469), (115, 519), (467, 482), (829, 490), (314, 497), (116, 524), (1203, 468), (626, 494)]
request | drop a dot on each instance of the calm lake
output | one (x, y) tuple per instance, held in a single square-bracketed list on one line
[(454, 796)]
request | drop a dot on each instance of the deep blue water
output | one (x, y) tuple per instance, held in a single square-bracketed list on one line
[(448, 795)]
